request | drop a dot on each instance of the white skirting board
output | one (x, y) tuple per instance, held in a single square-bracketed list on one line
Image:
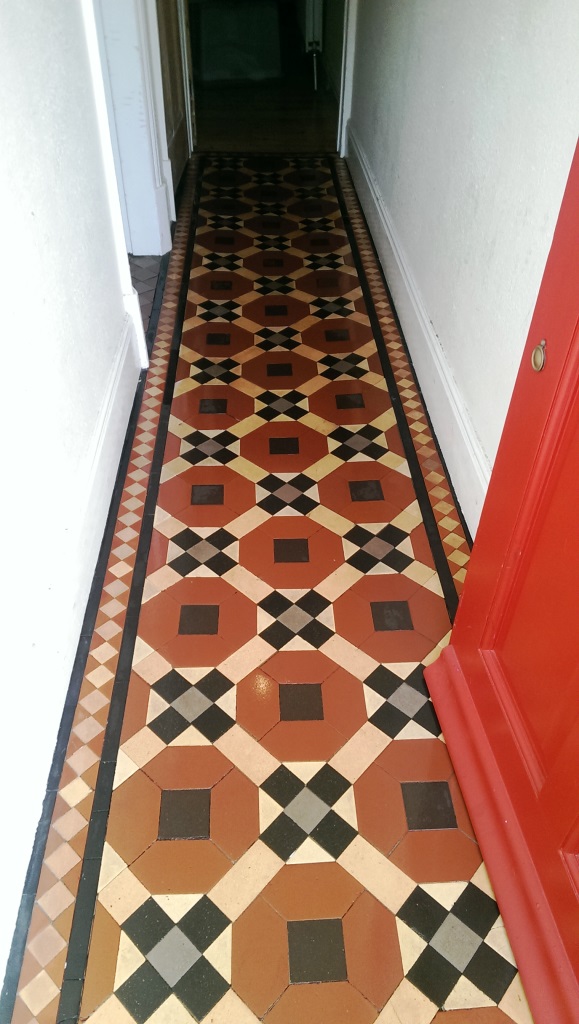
[(465, 459)]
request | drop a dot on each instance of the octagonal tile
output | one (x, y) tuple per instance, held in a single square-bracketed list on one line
[(212, 407), (276, 310), (279, 371), (366, 492), (311, 723), (215, 341), (349, 401), (320, 242), (340, 334), (206, 496), (223, 240), (219, 285), (283, 447), (391, 618), (273, 263), (198, 622), (291, 552), (328, 283)]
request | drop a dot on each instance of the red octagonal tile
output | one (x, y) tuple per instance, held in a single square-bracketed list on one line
[(338, 334), (369, 403), (279, 371), (198, 408), (219, 285), (265, 553), (336, 494), (206, 496), (276, 310), (214, 340), (262, 447)]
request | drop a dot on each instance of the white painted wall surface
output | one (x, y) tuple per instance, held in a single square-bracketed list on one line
[(464, 122), (71, 355)]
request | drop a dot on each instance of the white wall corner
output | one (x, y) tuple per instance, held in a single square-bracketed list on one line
[(465, 458)]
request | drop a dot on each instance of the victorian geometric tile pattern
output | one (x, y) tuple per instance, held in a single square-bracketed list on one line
[(284, 837)]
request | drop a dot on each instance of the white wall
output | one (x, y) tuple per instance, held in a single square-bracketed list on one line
[(464, 122), (70, 363)]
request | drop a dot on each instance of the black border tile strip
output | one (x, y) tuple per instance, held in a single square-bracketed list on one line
[(18, 946), (440, 560), (78, 948)]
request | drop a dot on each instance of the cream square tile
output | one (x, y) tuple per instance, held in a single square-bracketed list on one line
[(382, 878), (70, 824), (46, 945), (248, 657), (246, 879), (152, 666), (407, 1006), (247, 754), (75, 792), (99, 676), (359, 752), (39, 993), (55, 900), (143, 747), (123, 895), (111, 866), (82, 760), (62, 860)]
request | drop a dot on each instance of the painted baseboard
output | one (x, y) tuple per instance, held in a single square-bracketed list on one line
[(465, 459)]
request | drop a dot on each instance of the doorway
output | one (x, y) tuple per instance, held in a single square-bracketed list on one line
[(255, 74)]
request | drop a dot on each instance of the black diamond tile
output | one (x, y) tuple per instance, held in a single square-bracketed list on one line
[(490, 972), (283, 836), (214, 685), (184, 564), (147, 926), (426, 717), (477, 910), (184, 814), (168, 725), (301, 702), (391, 615), (282, 785), (275, 604), (334, 834), (201, 988), (220, 563), (207, 494), (313, 603), (428, 805), (433, 975), (277, 635), (383, 681), (397, 560), (291, 549), (203, 923), (143, 993), (328, 784), (392, 535), (315, 633), (365, 490), (316, 951), (199, 619), (389, 719), (213, 723), (171, 686), (422, 913)]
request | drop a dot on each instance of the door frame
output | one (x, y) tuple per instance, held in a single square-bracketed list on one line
[(347, 87), (487, 737)]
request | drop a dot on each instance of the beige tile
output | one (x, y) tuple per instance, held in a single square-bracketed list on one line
[(246, 754), (62, 860), (360, 751), (419, 573), (247, 469), (141, 651), (498, 940), (46, 945), (171, 1012), (247, 878), (230, 1010), (407, 1006), (176, 905), (248, 657), (75, 792), (246, 582), (70, 824), (346, 808), (339, 582), (332, 520), (55, 900), (411, 945), (39, 992), (111, 1012), (125, 767), (324, 467), (111, 866), (514, 1003), (219, 954), (99, 676), (466, 996), (384, 880), (129, 959), (123, 896), (152, 667), (445, 893), (310, 853), (248, 521), (143, 747)]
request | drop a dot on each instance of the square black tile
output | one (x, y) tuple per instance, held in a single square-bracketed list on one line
[(291, 549), (185, 814), (147, 926), (276, 310), (283, 836), (201, 988), (477, 910), (212, 405), (301, 702), (214, 723), (433, 975), (490, 972), (207, 494), (355, 401), (284, 445), (366, 490), (224, 240), (214, 684), (333, 834), (341, 335), (282, 785), (171, 686), (391, 615), (203, 923), (328, 784), (143, 993), (199, 619), (316, 951), (218, 338), (422, 913), (428, 805), (279, 370), (272, 261)]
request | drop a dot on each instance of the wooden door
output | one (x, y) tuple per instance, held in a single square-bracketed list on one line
[(506, 690), (177, 83)]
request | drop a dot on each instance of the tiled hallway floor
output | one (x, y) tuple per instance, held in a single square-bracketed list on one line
[(255, 782)]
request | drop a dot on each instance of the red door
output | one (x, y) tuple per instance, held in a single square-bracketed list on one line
[(506, 690)]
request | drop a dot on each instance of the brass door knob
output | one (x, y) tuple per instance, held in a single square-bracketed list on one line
[(539, 356)]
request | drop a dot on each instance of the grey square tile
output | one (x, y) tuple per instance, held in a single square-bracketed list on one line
[(455, 941), (307, 810), (192, 703), (173, 956), (408, 700)]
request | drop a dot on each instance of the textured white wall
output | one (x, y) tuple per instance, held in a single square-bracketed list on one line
[(467, 115), (70, 362)]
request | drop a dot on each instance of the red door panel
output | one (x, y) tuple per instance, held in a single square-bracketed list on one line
[(507, 688)]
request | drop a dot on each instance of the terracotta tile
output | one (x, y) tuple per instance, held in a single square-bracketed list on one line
[(135, 716), (481, 1015), (258, 702), (310, 891), (256, 448), (187, 768), (258, 551), (260, 968), (173, 867), (234, 814), (134, 816), (437, 856), (374, 791), (331, 1003), (372, 951), (416, 760), (102, 961)]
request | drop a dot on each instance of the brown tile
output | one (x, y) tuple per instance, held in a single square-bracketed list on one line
[(170, 867), (260, 970), (134, 816), (480, 1015), (416, 760), (102, 961), (235, 814), (372, 950), (437, 856), (187, 768), (254, 447), (306, 892), (337, 1002), (374, 791)]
